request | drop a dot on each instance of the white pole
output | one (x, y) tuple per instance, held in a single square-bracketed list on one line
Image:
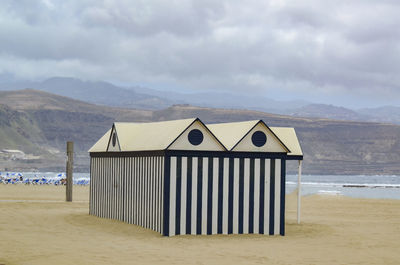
[(299, 192)]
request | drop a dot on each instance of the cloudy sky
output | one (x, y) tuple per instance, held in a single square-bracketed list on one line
[(343, 52)]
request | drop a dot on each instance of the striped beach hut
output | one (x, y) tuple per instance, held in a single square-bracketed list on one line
[(184, 177)]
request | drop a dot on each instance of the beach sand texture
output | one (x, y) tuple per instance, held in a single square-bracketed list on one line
[(38, 227)]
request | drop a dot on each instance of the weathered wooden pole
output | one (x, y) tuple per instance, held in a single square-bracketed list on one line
[(70, 164)]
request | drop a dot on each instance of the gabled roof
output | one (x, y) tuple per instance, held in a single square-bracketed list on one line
[(154, 136), (102, 143), (209, 141), (149, 136), (232, 133), (289, 137)]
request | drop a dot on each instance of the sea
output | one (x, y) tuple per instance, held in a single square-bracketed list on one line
[(357, 186)]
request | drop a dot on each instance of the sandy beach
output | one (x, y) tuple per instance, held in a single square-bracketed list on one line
[(38, 227)]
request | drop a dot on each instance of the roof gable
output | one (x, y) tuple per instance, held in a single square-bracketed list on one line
[(236, 136), (113, 142), (197, 137), (260, 139)]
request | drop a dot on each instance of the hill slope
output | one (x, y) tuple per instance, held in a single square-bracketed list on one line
[(44, 122), (108, 94), (95, 92)]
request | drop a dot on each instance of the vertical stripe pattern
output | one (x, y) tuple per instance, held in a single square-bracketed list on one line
[(225, 195), (128, 189), (177, 195)]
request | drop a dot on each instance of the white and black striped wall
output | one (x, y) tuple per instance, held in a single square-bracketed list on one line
[(128, 188), (180, 193), (224, 195)]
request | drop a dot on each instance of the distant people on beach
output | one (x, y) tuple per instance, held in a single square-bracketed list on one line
[(59, 179), (63, 181)]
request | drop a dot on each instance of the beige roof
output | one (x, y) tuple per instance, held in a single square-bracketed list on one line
[(232, 132), (289, 138), (160, 135), (149, 136), (101, 144)]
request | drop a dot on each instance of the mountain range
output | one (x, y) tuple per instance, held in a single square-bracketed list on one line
[(104, 93), (39, 124)]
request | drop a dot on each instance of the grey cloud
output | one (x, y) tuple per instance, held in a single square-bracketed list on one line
[(310, 48), (146, 18)]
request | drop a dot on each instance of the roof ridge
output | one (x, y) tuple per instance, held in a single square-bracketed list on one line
[(149, 122)]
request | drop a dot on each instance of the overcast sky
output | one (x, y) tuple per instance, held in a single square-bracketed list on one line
[(339, 52)]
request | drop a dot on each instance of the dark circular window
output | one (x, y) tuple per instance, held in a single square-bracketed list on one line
[(195, 137), (259, 138), (114, 139)]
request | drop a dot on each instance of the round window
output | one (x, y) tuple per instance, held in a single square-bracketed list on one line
[(259, 138), (195, 137)]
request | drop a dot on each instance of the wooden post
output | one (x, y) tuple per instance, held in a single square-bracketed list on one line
[(299, 193), (70, 163)]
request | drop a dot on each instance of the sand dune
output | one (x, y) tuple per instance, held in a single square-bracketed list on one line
[(38, 227)]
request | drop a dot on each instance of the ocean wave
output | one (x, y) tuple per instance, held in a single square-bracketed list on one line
[(346, 185), (330, 192)]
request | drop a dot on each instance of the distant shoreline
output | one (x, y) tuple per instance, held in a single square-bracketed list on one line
[(356, 186)]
